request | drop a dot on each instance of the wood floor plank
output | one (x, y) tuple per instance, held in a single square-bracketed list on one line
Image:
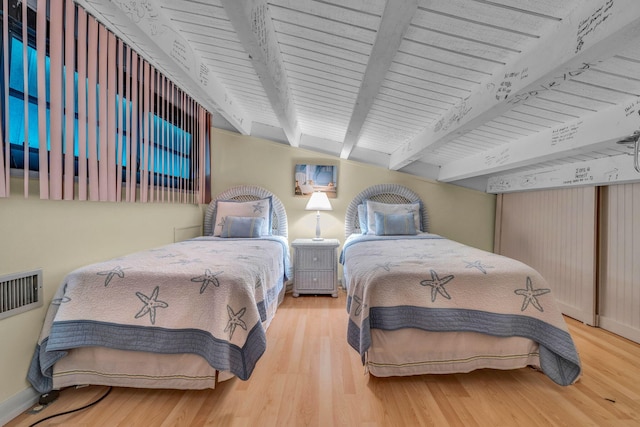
[(310, 376)]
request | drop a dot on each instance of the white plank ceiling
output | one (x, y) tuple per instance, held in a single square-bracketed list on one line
[(480, 93)]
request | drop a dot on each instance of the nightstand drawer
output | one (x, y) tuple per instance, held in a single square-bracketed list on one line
[(316, 280), (316, 259)]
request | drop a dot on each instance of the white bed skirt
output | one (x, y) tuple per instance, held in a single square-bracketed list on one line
[(445, 352), (121, 368)]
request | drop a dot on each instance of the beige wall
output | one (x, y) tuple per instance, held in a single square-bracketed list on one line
[(455, 212), (60, 236)]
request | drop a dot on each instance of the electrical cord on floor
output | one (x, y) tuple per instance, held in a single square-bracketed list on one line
[(74, 410)]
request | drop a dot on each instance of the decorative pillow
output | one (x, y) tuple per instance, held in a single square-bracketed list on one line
[(386, 208), (395, 224), (242, 226), (254, 208), (362, 217)]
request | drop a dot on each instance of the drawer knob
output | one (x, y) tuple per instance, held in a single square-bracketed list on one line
[(315, 279), (315, 258)]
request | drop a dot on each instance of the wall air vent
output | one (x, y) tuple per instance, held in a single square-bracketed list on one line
[(20, 292)]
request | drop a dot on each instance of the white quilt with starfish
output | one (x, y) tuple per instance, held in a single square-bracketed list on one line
[(436, 284), (208, 296)]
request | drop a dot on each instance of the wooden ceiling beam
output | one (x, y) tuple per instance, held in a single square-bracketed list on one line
[(145, 28), (590, 33), (393, 25), (603, 171), (252, 21), (581, 135)]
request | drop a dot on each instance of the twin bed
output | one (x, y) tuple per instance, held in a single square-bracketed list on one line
[(184, 316), (422, 304), (190, 314)]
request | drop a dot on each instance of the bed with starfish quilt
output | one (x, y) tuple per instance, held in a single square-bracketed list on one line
[(185, 315), (422, 304)]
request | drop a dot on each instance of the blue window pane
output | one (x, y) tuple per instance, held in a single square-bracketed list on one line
[(16, 69), (16, 123)]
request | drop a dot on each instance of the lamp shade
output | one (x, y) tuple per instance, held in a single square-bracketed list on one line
[(318, 202)]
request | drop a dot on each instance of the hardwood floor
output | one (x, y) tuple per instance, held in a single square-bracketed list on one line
[(309, 376)]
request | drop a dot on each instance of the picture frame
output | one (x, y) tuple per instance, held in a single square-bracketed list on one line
[(308, 178)]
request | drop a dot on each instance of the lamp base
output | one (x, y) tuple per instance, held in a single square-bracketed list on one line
[(317, 238)]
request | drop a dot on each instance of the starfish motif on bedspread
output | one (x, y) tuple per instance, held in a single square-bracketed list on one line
[(530, 295), (478, 264), (167, 256), (359, 307), (437, 285), (258, 282), (59, 301), (420, 256), (386, 266), (150, 304), (63, 299), (207, 278), (116, 271), (373, 254), (187, 261), (235, 319)]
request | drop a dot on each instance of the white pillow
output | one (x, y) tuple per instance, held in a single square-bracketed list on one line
[(362, 218), (255, 208), (386, 208)]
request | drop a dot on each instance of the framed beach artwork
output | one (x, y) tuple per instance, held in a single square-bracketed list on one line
[(310, 178)]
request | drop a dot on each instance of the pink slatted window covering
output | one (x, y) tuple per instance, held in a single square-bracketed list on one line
[(171, 140), (56, 106), (127, 125), (135, 123), (4, 149), (92, 109), (120, 118), (144, 155), (110, 125), (190, 181), (201, 152), (82, 104), (163, 137), (69, 102), (180, 144), (111, 118), (203, 123), (133, 126), (25, 63), (152, 139), (103, 153), (41, 48)]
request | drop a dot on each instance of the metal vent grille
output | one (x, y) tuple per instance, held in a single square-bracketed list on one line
[(20, 292)]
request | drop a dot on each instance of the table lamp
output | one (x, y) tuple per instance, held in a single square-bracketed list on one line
[(318, 202)]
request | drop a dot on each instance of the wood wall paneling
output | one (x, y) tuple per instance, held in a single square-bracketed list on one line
[(554, 231), (619, 276)]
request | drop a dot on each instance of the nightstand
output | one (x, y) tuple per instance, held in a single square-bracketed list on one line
[(315, 267)]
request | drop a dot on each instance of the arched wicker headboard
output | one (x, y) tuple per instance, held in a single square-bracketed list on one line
[(246, 193), (383, 193)]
